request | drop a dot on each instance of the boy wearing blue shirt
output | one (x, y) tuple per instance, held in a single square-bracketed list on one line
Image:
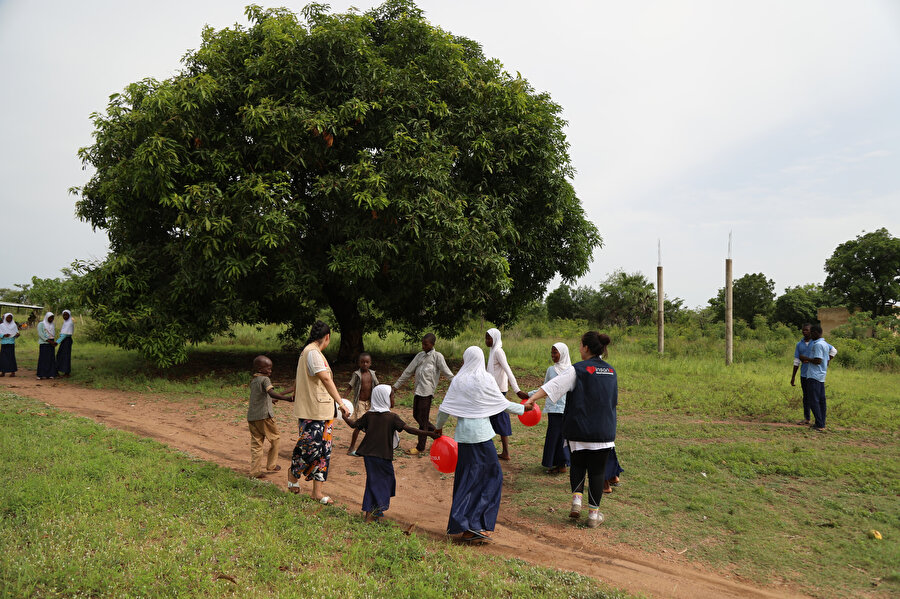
[(817, 363)]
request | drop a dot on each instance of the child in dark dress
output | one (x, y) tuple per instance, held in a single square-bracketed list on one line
[(377, 450)]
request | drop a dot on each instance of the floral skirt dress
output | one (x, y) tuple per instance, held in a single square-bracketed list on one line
[(312, 453)]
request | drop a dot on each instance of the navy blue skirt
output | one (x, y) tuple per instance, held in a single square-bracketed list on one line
[(556, 453), (64, 356), (477, 486), (501, 424), (613, 469), (46, 366), (381, 484), (8, 358)]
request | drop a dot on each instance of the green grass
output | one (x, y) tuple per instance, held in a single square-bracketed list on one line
[(778, 503), (89, 511)]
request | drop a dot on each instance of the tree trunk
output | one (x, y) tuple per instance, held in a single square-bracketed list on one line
[(346, 310)]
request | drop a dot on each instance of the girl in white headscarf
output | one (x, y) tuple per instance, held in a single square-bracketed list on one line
[(46, 366), (9, 330), (499, 368), (473, 397), (377, 451), (556, 453), (64, 344)]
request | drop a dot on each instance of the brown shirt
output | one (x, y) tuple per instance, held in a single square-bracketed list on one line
[(260, 406), (379, 439)]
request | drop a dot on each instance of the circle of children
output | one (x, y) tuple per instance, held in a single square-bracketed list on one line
[(580, 400), (54, 353)]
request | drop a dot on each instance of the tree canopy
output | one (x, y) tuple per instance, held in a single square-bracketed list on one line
[(865, 272), (372, 163), (753, 295)]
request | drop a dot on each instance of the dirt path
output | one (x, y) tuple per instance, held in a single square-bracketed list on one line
[(205, 434)]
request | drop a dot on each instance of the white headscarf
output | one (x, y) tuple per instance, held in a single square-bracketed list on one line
[(381, 399), (68, 326), (49, 327), (473, 393), (564, 361), (497, 344), (8, 328)]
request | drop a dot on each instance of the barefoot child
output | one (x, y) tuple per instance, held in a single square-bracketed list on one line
[(361, 384), (427, 367), (261, 418), (377, 449)]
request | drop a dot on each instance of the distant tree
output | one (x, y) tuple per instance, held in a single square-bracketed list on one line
[(800, 304), (865, 272), (752, 293), (16, 296), (56, 294), (561, 304), (626, 298), (372, 163), (674, 309)]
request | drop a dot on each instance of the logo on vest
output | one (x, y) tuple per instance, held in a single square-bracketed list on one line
[(595, 370)]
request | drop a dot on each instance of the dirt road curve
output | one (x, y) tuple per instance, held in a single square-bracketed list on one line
[(210, 437)]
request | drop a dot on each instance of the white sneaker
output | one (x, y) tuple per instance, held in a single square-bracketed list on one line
[(576, 507), (595, 519)]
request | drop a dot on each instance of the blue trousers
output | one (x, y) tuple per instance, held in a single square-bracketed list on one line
[(817, 401), (804, 388)]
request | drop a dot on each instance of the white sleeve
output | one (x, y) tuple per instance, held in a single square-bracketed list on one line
[(315, 362), (796, 362), (832, 352), (560, 385), (501, 359)]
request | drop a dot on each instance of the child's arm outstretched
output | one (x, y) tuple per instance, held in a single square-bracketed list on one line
[(288, 395), (416, 431)]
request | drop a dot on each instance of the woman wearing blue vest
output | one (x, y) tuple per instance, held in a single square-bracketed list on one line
[(589, 420)]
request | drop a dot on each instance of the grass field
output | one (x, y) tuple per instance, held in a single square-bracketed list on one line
[(715, 470), (105, 513)]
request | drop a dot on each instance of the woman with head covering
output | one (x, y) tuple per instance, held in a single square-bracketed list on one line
[(589, 420), (64, 343), (473, 397), (556, 453), (499, 368), (46, 366), (377, 450), (316, 404), (9, 330)]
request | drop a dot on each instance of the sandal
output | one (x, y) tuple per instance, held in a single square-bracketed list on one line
[(326, 500), (294, 487)]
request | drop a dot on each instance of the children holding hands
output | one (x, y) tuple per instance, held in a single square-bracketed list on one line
[(261, 417), (377, 450)]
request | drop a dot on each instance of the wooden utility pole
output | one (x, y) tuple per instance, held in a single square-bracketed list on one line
[(729, 308), (660, 303)]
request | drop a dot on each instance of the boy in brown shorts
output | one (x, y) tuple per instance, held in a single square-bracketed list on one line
[(361, 384), (261, 418)]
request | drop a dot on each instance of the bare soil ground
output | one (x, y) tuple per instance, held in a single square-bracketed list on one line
[(423, 494)]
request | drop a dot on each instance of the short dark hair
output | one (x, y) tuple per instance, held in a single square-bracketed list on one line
[(595, 342), (259, 361), (806, 324), (816, 328), (361, 354), (318, 330), (429, 337)]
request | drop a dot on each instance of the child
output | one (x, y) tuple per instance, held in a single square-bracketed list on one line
[(361, 384), (261, 417), (377, 450), (498, 367), (427, 367), (556, 452)]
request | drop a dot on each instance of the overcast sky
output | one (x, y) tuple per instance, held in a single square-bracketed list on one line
[(779, 121)]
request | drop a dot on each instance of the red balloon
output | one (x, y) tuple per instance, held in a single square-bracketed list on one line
[(443, 454), (531, 418)]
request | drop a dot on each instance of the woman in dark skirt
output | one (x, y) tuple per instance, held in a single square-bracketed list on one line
[(473, 397), (9, 330), (46, 366), (64, 347), (556, 452), (377, 450)]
